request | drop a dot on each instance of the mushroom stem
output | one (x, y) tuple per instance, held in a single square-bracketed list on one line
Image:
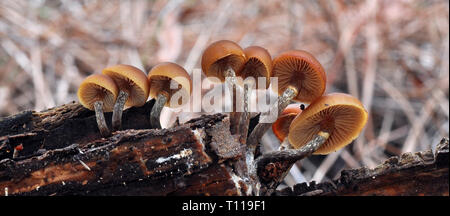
[(261, 128), (117, 111), (289, 155), (100, 117), (230, 76), (230, 82), (244, 121), (296, 154), (156, 111), (245, 117), (286, 98)]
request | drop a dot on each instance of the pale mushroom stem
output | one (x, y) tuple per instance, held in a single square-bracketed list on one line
[(230, 77), (245, 118), (297, 154), (241, 165), (290, 155), (100, 117), (156, 111), (230, 82), (261, 128), (118, 109)]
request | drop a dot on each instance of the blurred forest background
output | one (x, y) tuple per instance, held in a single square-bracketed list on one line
[(392, 55)]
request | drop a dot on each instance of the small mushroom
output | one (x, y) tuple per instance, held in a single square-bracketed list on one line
[(160, 78), (326, 125), (133, 89), (222, 59), (98, 92), (300, 78), (258, 64), (337, 117), (281, 126)]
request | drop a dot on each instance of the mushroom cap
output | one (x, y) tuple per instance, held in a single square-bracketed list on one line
[(258, 64), (160, 77), (341, 115), (218, 56), (98, 87), (130, 80), (299, 69), (281, 126)]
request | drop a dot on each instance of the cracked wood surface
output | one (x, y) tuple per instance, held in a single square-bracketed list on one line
[(127, 156), (411, 174), (172, 161), (60, 127)]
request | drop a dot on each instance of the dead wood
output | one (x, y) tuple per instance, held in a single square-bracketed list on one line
[(60, 127), (130, 162), (411, 174), (64, 154)]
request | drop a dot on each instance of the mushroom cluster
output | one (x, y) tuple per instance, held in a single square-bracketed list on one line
[(327, 124), (125, 85), (226, 60)]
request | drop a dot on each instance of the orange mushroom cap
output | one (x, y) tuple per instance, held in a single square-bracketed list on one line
[(341, 115), (281, 126), (218, 56), (130, 80), (258, 64), (300, 69), (98, 87), (161, 76)]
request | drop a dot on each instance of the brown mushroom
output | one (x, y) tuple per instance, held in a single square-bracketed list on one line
[(133, 89), (160, 78), (98, 92), (281, 126), (326, 125), (337, 117), (222, 59), (300, 77), (258, 63)]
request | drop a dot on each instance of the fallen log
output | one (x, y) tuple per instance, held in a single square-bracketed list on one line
[(131, 162), (411, 174), (60, 127), (64, 154)]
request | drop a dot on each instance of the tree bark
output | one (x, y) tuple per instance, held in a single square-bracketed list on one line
[(411, 174), (172, 161), (64, 154), (60, 127)]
